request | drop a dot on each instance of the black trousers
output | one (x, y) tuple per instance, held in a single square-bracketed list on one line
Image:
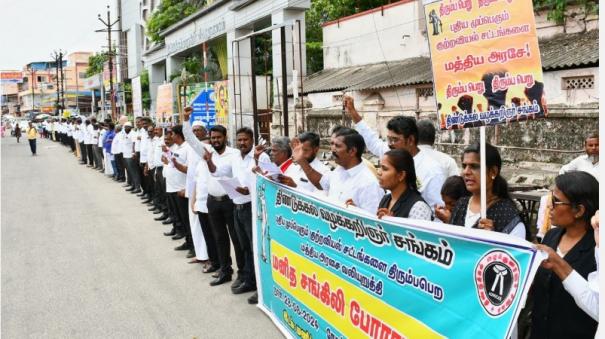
[(90, 155), (181, 205), (133, 173), (32, 145), (72, 144), (119, 159), (209, 238), (220, 213), (243, 228), (146, 181), (159, 192), (83, 152), (98, 157)]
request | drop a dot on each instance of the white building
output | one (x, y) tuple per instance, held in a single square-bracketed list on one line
[(381, 57), (234, 22)]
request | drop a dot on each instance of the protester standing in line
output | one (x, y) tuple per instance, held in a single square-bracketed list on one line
[(398, 176), (502, 214), (555, 314), (402, 133), (32, 134), (219, 205), (351, 182), (241, 169), (294, 176)]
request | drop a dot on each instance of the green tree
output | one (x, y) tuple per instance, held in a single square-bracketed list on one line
[(556, 8), (95, 63), (145, 95), (170, 12)]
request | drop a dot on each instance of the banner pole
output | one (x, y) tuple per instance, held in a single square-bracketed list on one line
[(483, 171)]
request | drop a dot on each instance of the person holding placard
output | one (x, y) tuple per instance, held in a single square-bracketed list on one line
[(502, 213)]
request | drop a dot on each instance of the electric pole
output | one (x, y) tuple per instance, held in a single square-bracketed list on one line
[(62, 83), (58, 57), (108, 26), (32, 73)]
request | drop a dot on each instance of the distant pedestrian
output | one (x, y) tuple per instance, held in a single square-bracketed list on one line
[(17, 131), (32, 134)]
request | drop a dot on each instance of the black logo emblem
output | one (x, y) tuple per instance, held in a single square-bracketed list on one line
[(497, 281)]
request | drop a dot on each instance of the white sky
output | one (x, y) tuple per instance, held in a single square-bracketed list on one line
[(30, 30)]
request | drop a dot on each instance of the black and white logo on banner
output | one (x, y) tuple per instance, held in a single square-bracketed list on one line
[(497, 281)]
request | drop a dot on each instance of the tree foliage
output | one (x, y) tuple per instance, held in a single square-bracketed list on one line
[(170, 12), (95, 63), (145, 95), (557, 8)]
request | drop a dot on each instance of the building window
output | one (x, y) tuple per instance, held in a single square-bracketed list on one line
[(424, 92), (581, 82), (40, 79), (82, 75)]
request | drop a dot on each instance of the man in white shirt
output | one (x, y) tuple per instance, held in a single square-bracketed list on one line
[(402, 133), (294, 175), (82, 137), (588, 162), (160, 196), (116, 151), (146, 178), (219, 205), (132, 168), (70, 134), (351, 182), (426, 142), (241, 168), (88, 142)]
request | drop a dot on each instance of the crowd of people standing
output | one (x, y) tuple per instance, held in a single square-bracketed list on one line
[(177, 171)]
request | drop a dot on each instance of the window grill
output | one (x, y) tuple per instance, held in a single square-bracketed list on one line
[(581, 82)]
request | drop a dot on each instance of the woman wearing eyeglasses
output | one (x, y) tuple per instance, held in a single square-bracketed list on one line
[(575, 199), (502, 213)]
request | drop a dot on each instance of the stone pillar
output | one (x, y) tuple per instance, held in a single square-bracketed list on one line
[(157, 76), (239, 69), (287, 16)]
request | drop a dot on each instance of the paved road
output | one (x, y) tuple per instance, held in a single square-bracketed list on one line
[(81, 258)]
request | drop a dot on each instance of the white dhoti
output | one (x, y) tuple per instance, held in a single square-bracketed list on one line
[(199, 243), (107, 161)]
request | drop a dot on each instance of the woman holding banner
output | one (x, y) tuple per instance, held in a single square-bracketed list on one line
[(502, 213), (397, 175), (571, 249)]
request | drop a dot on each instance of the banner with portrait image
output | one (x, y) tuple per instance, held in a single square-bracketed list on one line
[(209, 102), (326, 271), (486, 62)]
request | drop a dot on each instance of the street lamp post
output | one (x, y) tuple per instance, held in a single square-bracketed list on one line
[(32, 73)]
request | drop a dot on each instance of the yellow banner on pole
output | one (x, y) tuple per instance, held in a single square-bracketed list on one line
[(486, 62)]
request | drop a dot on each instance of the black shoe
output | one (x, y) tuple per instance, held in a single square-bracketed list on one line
[(131, 189), (238, 281), (161, 217), (210, 269), (243, 288), (157, 211), (178, 236), (253, 300), (167, 222), (221, 279), (147, 201), (122, 180), (191, 254), (127, 185), (171, 233), (153, 209), (183, 247), (142, 194), (138, 190)]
